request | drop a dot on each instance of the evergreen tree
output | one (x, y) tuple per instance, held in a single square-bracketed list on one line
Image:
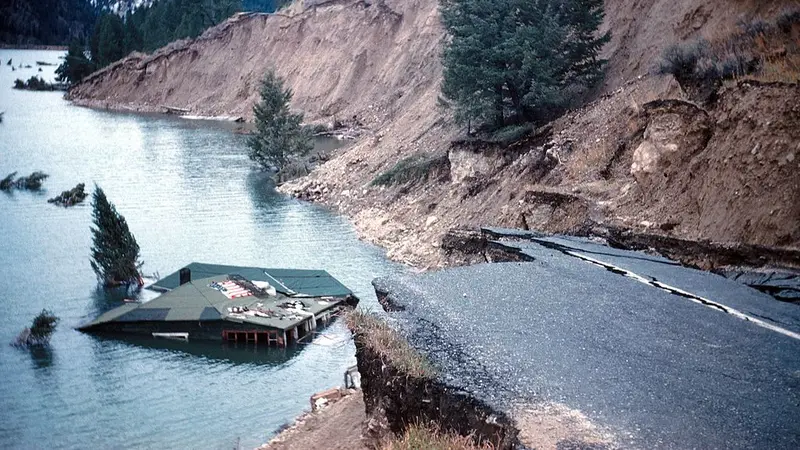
[(115, 253), (279, 134), (108, 41), (76, 65), (519, 60)]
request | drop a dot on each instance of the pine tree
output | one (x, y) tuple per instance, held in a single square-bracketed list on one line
[(115, 253), (279, 134), (519, 60), (583, 18), (76, 65)]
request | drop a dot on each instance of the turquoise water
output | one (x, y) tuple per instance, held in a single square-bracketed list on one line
[(189, 193)]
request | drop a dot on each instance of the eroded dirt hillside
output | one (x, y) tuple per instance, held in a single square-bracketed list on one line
[(639, 156), (343, 58)]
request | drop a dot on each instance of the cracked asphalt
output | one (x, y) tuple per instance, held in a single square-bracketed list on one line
[(653, 368)]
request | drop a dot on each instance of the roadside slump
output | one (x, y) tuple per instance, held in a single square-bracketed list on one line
[(671, 289), (634, 361)]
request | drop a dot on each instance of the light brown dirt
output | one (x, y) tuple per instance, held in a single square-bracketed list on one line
[(379, 61), (336, 427), (553, 426)]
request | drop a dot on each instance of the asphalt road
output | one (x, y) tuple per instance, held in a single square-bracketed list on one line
[(658, 370)]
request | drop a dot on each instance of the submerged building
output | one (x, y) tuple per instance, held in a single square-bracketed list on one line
[(232, 303)]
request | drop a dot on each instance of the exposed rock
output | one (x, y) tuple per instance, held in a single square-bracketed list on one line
[(675, 132)]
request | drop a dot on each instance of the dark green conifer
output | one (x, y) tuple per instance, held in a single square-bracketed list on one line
[(115, 253), (76, 65), (519, 60), (279, 134)]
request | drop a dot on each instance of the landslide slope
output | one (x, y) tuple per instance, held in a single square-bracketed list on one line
[(730, 179), (341, 58)]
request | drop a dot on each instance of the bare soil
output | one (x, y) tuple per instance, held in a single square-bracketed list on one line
[(336, 427), (377, 63)]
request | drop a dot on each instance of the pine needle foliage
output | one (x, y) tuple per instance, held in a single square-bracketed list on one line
[(280, 135), (115, 253), (513, 61), (43, 325), (38, 335)]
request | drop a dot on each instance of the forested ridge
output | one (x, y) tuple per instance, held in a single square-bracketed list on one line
[(146, 24)]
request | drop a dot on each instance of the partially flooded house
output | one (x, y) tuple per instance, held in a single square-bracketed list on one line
[(243, 304)]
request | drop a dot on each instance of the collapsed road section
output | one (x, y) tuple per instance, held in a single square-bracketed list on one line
[(653, 354)]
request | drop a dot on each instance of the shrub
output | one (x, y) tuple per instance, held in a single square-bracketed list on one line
[(412, 168), (682, 60), (787, 19), (766, 50)]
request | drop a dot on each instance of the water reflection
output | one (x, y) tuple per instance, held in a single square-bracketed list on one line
[(104, 300), (41, 357), (261, 189), (188, 193), (233, 353)]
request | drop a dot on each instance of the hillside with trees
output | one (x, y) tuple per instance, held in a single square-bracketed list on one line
[(45, 22), (146, 24), (146, 28)]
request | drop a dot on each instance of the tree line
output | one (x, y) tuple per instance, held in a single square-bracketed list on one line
[(112, 36)]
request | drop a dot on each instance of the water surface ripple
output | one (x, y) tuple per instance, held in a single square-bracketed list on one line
[(188, 193)]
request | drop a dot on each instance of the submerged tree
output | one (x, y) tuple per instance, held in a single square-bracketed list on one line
[(39, 333), (115, 253), (279, 134), (519, 60)]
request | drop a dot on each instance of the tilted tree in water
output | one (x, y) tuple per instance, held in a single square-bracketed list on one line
[(279, 134), (115, 253)]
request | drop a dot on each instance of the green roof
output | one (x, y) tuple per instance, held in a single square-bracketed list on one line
[(202, 299), (314, 283)]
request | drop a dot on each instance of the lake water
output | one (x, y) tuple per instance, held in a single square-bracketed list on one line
[(189, 193)]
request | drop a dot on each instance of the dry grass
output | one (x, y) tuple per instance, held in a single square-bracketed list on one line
[(759, 49), (386, 342), (414, 168), (418, 437)]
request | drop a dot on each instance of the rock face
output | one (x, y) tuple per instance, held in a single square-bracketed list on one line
[(675, 132), (342, 58)]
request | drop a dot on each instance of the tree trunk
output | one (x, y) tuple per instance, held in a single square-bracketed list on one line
[(499, 119)]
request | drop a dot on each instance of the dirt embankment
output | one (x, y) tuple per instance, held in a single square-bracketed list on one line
[(722, 173), (342, 58)]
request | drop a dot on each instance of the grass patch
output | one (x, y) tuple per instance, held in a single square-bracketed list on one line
[(417, 437), (386, 342), (509, 134), (410, 169)]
